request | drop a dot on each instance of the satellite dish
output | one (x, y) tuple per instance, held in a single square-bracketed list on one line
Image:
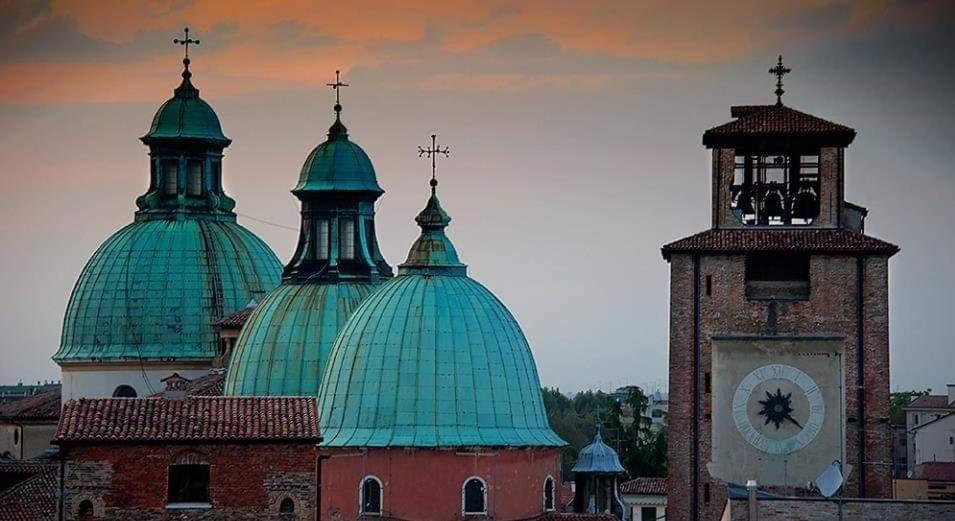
[(831, 479)]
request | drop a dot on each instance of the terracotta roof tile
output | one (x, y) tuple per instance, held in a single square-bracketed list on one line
[(558, 516), (42, 406), (237, 319), (776, 120), (195, 418), (645, 486), (211, 384), (809, 240), (33, 498), (932, 401)]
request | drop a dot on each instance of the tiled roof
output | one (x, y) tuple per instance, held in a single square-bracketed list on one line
[(645, 486), (763, 239), (192, 419), (237, 319), (932, 401), (558, 516), (760, 120), (33, 498), (206, 385), (937, 471), (42, 406)]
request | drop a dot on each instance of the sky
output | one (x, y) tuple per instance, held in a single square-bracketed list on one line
[(575, 134)]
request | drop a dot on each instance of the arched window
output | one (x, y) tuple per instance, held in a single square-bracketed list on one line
[(194, 185), (371, 495), (85, 509), (549, 494), (124, 391), (475, 496), (287, 506), (170, 178)]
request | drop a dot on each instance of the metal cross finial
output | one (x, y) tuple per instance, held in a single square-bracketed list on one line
[(779, 71), (338, 89), (185, 42), (432, 152)]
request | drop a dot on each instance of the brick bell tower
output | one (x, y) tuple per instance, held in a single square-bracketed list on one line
[(779, 330)]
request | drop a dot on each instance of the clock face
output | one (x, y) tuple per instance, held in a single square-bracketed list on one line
[(778, 409)]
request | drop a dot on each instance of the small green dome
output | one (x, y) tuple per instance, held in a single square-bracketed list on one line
[(186, 116), (338, 164), (153, 290), (432, 359), (283, 347)]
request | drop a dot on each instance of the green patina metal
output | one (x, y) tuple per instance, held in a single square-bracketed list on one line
[(338, 164), (432, 359), (284, 345), (153, 290)]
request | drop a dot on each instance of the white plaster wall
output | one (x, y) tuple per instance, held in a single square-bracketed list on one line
[(7, 431), (932, 442), (83, 382)]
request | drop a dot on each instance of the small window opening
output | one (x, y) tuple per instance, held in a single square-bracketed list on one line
[(194, 187), (214, 173), (287, 506), (707, 382), (783, 276), (171, 178), (124, 391), (189, 483), (648, 513), (348, 239), (709, 285), (322, 253), (85, 509), (16, 436), (370, 496), (706, 492), (549, 494), (475, 497)]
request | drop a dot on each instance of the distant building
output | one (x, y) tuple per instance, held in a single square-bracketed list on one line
[(189, 457), (596, 480), (27, 425), (9, 393), (646, 498), (935, 440), (923, 410)]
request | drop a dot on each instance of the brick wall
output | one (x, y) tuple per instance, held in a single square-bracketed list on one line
[(247, 481), (852, 510)]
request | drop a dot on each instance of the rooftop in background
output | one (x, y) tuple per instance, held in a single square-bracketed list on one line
[(935, 471), (191, 419), (211, 384), (41, 406), (931, 401), (841, 241), (779, 120), (598, 458), (237, 319), (9, 393), (31, 491), (645, 487)]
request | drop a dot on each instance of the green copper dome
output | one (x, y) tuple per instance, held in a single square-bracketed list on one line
[(186, 116), (153, 290), (283, 347), (432, 359), (338, 164)]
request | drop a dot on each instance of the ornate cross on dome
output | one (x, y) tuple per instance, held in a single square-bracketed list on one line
[(338, 89), (432, 153), (185, 43), (779, 71)]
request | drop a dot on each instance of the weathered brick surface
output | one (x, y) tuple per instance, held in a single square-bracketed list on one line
[(831, 309), (852, 510), (247, 481)]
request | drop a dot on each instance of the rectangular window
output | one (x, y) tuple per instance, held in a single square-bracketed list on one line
[(348, 239), (195, 178), (322, 246), (706, 492), (707, 382), (188, 484), (709, 285), (648, 514), (776, 188), (777, 276), (170, 178)]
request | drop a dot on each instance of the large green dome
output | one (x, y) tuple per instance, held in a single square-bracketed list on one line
[(283, 347), (153, 290), (432, 359), (337, 164)]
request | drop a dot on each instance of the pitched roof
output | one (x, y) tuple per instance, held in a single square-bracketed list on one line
[(192, 419), (932, 401), (762, 239), (211, 384), (237, 319), (779, 120), (33, 498), (42, 406), (645, 486), (937, 471)]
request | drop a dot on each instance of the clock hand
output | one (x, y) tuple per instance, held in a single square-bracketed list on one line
[(790, 418)]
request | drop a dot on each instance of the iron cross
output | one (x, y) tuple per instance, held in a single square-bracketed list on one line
[(432, 152), (338, 87), (185, 41), (779, 71)]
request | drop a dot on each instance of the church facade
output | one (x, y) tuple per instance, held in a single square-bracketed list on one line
[(779, 346)]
